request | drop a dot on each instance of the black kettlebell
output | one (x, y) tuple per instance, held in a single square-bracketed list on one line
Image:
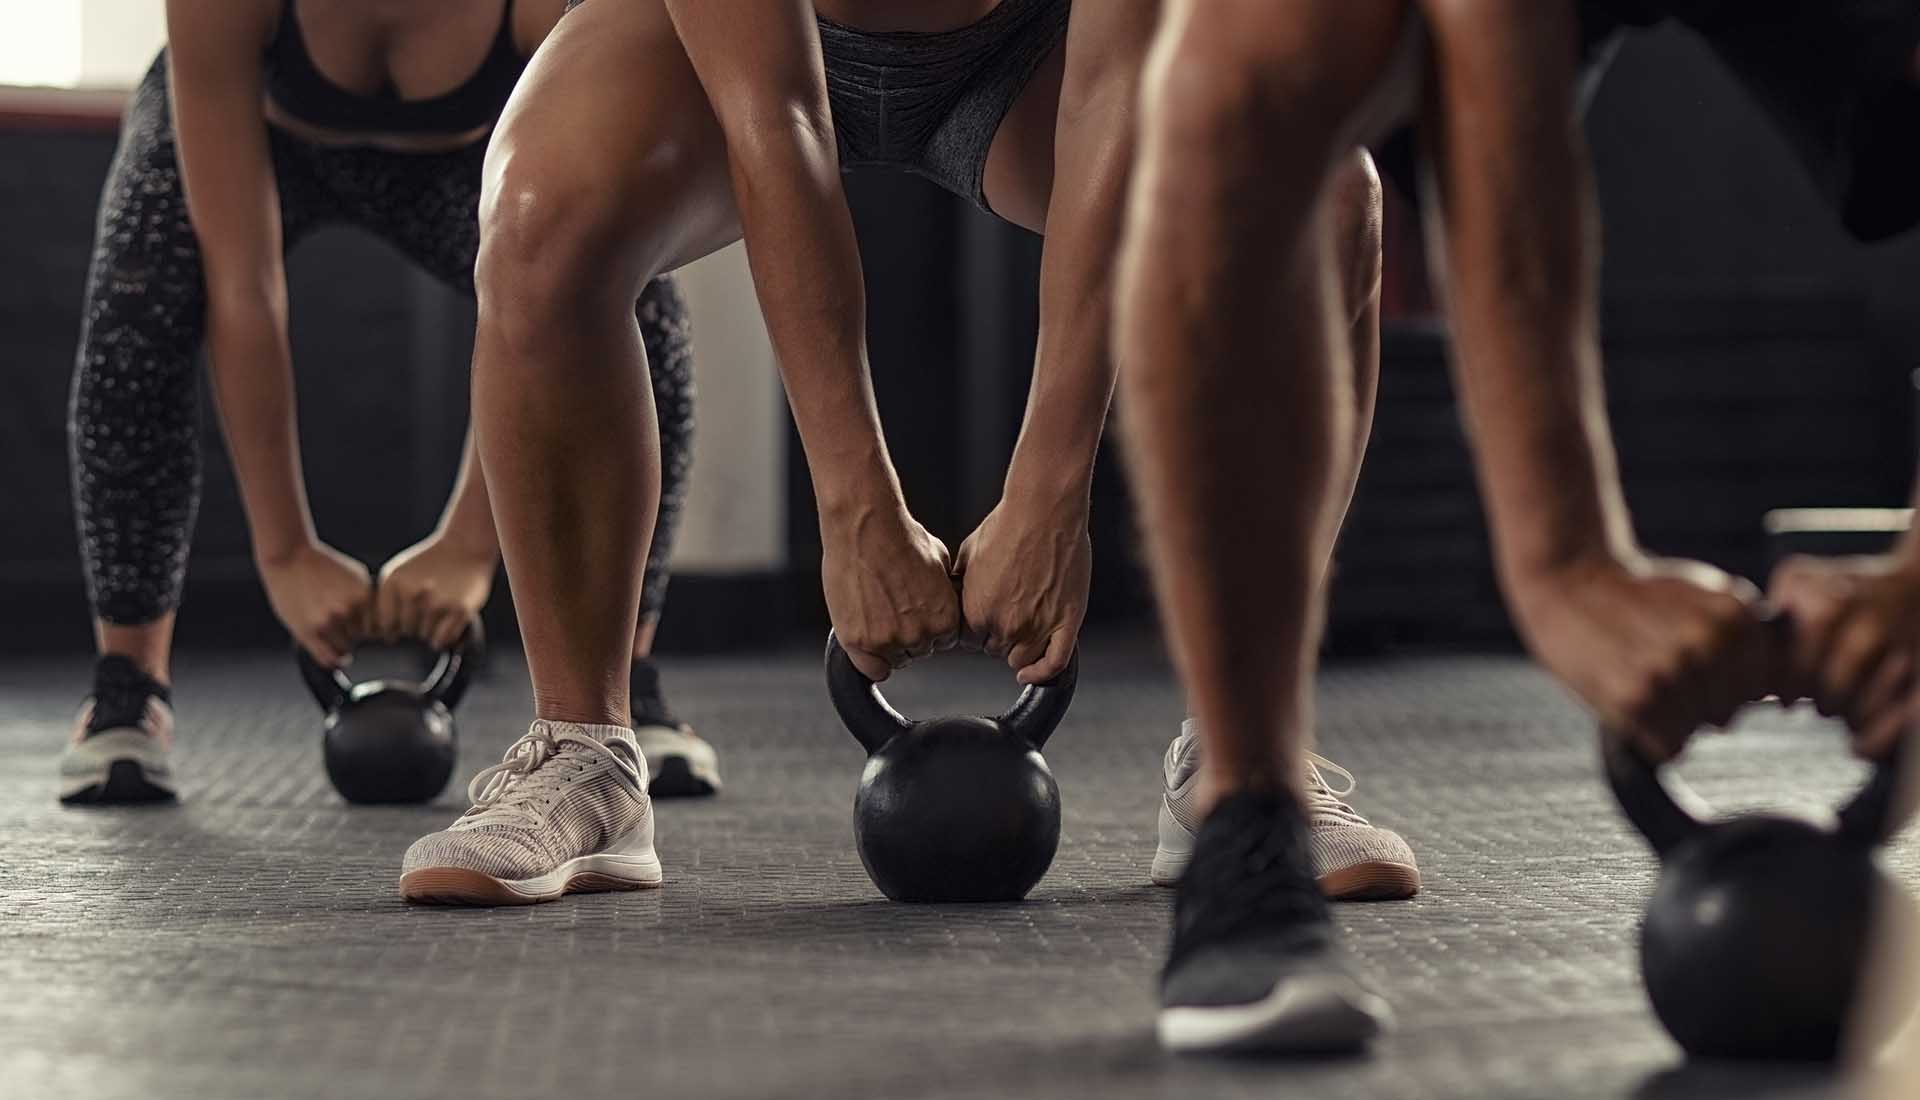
[(954, 809), (1755, 943), (390, 740)]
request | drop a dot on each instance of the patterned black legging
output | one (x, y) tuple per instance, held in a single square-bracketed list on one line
[(134, 432)]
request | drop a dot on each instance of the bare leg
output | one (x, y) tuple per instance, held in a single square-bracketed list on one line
[(607, 169), (1245, 291), (1241, 374)]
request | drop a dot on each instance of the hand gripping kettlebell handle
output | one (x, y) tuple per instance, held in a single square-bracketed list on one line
[(330, 687), (447, 683), (1666, 812), (865, 712), (873, 721)]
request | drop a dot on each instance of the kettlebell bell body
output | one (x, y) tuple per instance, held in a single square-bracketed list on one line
[(389, 741), (1755, 943), (956, 809), (1760, 911)]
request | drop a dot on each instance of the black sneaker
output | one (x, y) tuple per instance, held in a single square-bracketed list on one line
[(1254, 967), (679, 763), (118, 752)]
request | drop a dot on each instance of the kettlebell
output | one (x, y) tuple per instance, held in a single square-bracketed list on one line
[(956, 809), (1756, 940), (390, 740)]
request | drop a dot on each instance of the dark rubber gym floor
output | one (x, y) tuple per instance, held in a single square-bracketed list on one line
[(249, 943)]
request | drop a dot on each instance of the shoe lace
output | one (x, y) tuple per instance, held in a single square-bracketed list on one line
[(533, 773), (1324, 803)]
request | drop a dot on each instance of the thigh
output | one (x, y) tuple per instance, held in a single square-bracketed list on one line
[(1093, 71), (609, 138)]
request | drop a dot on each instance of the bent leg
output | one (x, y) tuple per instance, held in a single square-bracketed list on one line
[(606, 170)]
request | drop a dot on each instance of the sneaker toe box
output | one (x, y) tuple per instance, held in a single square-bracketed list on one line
[(499, 854), (1361, 862)]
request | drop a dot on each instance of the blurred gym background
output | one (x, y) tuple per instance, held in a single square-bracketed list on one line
[(1757, 359)]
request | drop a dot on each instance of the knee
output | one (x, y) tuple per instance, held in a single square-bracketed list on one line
[(554, 253), (1235, 79), (1358, 206)]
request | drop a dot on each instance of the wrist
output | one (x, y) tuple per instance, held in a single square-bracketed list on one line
[(283, 549), (1553, 565), (473, 541), (1057, 488), (1051, 475), (857, 490)]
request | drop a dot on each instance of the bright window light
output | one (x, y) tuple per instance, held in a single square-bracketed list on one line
[(40, 42)]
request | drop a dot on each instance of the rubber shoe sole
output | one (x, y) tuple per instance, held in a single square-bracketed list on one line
[(592, 874), (679, 765), (1303, 1016), (1377, 880), (678, 779), (115, 767)]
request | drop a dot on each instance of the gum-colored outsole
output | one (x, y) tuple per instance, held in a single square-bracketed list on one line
[(1371, 882), (459, 886)]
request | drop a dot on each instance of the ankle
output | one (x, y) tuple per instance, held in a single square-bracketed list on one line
[(1217, 788), (124, 672)]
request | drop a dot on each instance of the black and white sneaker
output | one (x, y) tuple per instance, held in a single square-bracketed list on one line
[(118, 751), (681, 763), (1254, 967)]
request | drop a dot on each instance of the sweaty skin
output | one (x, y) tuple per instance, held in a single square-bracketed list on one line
[(218, 85), (1235, 370), (732, 122), (1248, 354), (1656, 648)]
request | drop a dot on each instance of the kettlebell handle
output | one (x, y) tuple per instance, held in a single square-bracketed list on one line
[(873, 721), (1667, 812), (330, 687), (445, 684)]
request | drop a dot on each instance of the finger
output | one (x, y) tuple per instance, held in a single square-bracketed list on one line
[(872, 666), (1810, 594), (1025, 653), (1053, 662), (424, 615), (1887, 731), (445, 630), (1745, 666), (384, 617), (957, 568), (334, 633), (1885, 688), (942, 555), (1653, 747), (324, 653), (1858, 647), (996, 643)]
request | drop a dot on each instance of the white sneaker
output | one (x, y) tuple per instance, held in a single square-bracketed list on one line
[(565, 811), (1352, 859), (118, 751), (681, 763)]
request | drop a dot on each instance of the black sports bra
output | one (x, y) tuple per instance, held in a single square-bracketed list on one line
[(300, 89)]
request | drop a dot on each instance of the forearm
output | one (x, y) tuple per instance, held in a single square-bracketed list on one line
[(467, 521), (806, 270), (252, 377), (1074, 368), (1520, 262)]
